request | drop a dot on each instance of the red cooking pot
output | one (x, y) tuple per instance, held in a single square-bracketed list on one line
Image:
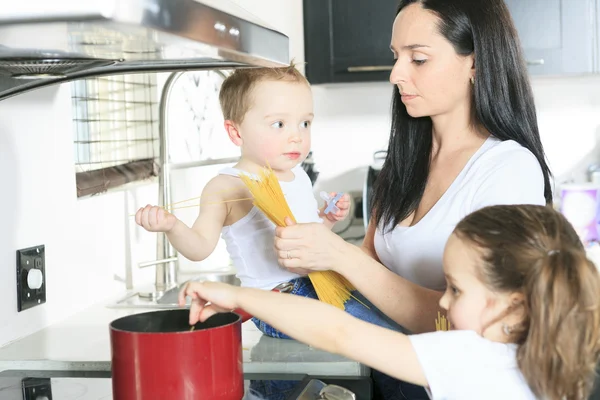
[(155, 356)]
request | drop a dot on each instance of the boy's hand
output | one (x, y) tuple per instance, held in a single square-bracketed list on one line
[(208, 298), (155, 219), (343, 204)]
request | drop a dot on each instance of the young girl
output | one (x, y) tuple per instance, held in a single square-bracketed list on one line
[(268, 113), (521, 296)]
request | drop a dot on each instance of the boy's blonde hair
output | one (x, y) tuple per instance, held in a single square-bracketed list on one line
[(235, 95)]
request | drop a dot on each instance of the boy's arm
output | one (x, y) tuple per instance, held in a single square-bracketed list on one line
[(199, 241), (326, 221)]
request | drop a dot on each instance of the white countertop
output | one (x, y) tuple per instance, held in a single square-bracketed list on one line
[(82, 342)]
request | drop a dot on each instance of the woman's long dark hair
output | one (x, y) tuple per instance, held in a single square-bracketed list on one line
[(502, 97)]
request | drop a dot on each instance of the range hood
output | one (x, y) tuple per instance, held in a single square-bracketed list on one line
[(64, 40)]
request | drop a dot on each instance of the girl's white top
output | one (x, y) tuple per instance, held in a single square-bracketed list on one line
[(461, 365)]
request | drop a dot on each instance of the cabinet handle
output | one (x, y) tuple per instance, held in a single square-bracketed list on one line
[(371, 68), (536, 62)]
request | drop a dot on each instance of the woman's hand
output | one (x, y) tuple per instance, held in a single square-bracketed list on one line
[(304, 248)]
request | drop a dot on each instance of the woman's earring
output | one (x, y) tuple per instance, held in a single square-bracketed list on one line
[(506, 329), (472, 80)]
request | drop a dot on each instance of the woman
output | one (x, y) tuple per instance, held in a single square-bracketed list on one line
[(464, 135)]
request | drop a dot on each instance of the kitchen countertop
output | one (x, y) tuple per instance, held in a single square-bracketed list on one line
[(82, 342)]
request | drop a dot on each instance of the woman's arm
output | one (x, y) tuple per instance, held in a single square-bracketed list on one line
[(368, 244), (410, 305), (314, 247), (315, 323)]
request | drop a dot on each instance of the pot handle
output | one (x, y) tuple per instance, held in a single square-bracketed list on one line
[(285, 287)]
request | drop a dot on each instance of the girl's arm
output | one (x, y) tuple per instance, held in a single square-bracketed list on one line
[(318, 324)]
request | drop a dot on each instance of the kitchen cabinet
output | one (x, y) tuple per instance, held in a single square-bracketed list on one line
[(348, 40), (557, 36)]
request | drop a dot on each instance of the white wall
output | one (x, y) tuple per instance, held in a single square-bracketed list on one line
[(84, 239), (352, 121), (569, 121)]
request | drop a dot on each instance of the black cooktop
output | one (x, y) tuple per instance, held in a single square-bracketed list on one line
[(97, 385), (55, 385), (67, 385)]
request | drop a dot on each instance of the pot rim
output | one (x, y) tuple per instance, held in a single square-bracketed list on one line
[(238, 320)]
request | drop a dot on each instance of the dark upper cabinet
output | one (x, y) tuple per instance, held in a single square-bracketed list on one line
[(348, 40), (557, 36)]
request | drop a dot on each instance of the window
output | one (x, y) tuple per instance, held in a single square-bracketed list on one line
[(195, 121), (116, 131)]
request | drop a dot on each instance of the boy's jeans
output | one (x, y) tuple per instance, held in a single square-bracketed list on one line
[(365, 311)]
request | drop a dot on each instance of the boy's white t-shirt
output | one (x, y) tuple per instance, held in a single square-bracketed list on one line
[(461, 365), (500, 172), (250, 241)]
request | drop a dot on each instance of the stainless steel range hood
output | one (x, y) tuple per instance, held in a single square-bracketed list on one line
[(66, 40)]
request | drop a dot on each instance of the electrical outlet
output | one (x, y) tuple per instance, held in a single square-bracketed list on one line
[(31, 277)]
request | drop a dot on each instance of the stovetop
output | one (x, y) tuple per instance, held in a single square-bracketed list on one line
[(65, 385), (55, 385), (97, 385), (91, 385)]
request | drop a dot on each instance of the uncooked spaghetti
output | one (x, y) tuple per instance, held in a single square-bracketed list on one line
[(441, 323), (331, 287)]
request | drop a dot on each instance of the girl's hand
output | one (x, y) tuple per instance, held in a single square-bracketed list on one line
[(208, 298), (155, 219)]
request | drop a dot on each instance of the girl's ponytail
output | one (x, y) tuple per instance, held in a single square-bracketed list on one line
[(561, 293)]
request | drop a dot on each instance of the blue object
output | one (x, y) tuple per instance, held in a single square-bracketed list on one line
[(331, 207)]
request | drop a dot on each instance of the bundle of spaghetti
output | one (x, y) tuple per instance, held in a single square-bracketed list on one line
[(331, 287), (441, 323)]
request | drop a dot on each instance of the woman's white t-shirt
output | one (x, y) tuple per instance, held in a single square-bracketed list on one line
[(500, 172)]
